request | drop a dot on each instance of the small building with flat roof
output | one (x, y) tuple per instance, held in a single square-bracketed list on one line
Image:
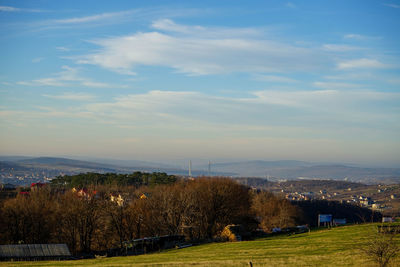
[(29, 252)]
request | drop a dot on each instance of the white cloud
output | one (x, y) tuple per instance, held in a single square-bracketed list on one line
[(63, 49), (301, 99), (274, 108), (274, 79), (47, 82), (102, 19), (109, 18), (95, 18), (339, 48), (170, 26), (69, 76), (16, 9), (9, 9), (362, 63), (72, 96), (336, 85), (202, 54), (360, 37), (188, 121), (392, 5)]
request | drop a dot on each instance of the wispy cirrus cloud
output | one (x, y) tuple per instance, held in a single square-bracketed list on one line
[(194, 51), (392, 5), (360, 37), (95, 18), (271, 107), (16, 9), (337, 85), (68, 76), (274, 78), (170, 26), (340, 47), (72, 96), (110, 18), (321, 118), (63, 48), (362, 63), (310, 109)]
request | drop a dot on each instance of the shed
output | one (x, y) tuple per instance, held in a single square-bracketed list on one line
[(34, 252)]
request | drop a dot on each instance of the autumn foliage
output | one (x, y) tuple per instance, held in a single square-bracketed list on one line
[(101, 217)]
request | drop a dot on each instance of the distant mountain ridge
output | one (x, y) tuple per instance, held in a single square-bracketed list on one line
[(73, 166), (292, 169), (50, 161), (262, 163), (274, 170)]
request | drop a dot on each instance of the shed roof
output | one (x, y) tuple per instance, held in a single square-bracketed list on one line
[(34, 250)]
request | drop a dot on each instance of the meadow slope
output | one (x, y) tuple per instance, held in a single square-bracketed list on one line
[(335, 247)]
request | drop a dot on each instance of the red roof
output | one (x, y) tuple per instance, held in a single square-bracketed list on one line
[(37, 184)]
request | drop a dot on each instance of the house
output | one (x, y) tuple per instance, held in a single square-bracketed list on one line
[(117, 198), (387, 219), (35, 186), (366, 202), (376, 206), (84, 192)]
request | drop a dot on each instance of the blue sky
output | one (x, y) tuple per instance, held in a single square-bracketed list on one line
[(220, 80)]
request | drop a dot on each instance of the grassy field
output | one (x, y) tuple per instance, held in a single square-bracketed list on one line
[(335, 247)]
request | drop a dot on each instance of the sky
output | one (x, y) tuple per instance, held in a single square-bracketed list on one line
[(221, 80)]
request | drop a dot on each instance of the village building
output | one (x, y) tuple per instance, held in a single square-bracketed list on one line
[(34, 252), (117, 198)]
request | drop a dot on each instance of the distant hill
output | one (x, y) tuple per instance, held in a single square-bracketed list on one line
[(130, 163), (50, 161), (73, 166), (262, 164), (11, 166), (13, 158), (272, 170), (291, 169), (67, 164)]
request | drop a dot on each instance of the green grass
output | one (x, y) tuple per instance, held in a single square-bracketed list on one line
[(335, 247)]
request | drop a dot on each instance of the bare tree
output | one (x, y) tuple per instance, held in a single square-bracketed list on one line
[(273, 211), (382, 248)]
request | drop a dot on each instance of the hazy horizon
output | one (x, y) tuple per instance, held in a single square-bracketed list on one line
[(200, 162), (315, 81)]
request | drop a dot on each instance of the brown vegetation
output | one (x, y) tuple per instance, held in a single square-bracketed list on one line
[(102, 217), (274, 212), (91, 219)]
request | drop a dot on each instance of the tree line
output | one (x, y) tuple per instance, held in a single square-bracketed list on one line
[(134, 179), (103, 216)]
